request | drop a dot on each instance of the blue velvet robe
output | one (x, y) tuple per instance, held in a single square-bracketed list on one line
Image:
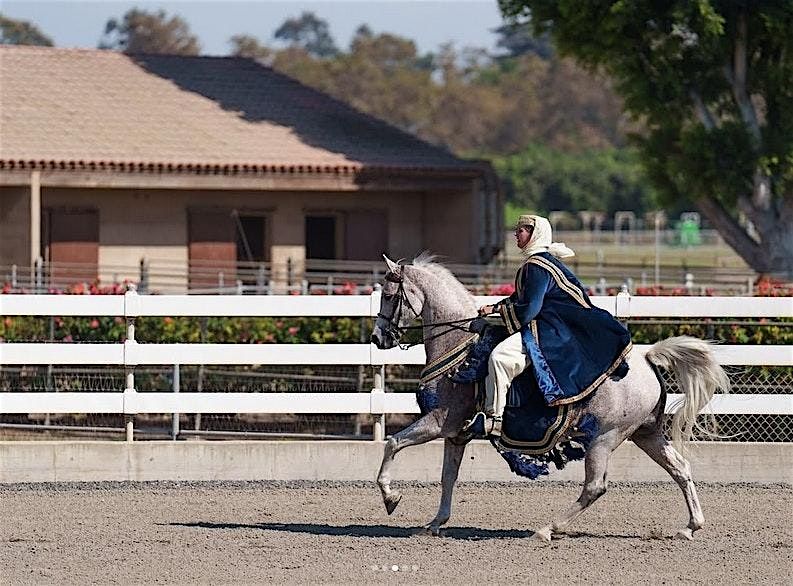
[(573, 345)]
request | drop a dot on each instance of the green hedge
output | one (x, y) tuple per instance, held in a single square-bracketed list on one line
[(262, 330), (265, 330)]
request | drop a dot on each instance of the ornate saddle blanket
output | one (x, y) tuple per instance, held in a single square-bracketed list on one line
[(529, 425), (533, 434)]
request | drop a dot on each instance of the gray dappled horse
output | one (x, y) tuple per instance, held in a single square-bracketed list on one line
[(629, 408)]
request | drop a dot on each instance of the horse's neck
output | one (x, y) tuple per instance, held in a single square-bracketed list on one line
[(445, 310)]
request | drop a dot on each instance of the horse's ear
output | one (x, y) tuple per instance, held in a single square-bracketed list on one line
[(393, 267)]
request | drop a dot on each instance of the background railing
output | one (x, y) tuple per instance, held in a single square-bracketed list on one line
[(143, 369), (605, 260)]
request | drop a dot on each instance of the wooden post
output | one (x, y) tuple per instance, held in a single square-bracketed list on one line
[(378, 431)]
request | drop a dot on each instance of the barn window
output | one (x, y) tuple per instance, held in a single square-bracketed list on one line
[(251, 238), (321, 232)]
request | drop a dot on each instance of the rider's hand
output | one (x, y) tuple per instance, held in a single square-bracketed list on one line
[(486, 310)]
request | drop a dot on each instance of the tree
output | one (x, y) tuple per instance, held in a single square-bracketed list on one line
[(21, 32), (150, 32), (545, 179), (516, 39), (712, 81), (310, 33), (248, 46)]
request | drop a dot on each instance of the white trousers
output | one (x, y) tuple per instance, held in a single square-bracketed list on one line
[(507, 360)]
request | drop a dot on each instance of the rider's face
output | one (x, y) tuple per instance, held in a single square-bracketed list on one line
[(522, 236)]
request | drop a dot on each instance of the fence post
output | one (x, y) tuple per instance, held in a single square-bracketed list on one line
[(130, 312), (378, 428), (49, 385), (622, 304), (261, 278), (39, 274), (200, 383), (689, 282), (175, 416), (601, 286)]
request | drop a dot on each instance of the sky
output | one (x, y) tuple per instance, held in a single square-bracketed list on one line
[(430, 23)]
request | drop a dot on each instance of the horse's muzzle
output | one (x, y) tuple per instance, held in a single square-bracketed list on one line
[(383, 340)]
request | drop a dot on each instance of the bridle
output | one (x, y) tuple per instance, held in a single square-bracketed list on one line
[(396, 331)]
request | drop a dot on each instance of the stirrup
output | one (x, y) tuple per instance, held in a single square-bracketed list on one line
[(494, 424), (482, 425)]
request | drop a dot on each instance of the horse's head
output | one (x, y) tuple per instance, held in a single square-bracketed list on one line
[(401, 303)]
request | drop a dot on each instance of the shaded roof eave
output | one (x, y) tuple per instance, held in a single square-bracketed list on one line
[(473, 170)]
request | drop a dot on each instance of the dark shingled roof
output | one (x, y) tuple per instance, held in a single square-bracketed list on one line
[(92, 109)]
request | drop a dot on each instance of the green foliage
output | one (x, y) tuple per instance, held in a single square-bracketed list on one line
[(167, 330), (21, 32), (543, 179), (267, 330), (248, 46), (309, 33), (711, 81), (470, 101), (140, 31), (727, 331)]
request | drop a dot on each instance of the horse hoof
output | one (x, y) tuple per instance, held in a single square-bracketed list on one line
[(433, 530), (543, 535), (392, 502), (687, 534)]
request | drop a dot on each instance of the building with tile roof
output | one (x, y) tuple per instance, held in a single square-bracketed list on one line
[(107, 158)]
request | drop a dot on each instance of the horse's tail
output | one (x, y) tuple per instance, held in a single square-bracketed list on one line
[(699, 376)]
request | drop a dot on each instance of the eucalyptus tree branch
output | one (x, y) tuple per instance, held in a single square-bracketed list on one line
[(737, 78), (761, 191), (701, 110), (732, 232)]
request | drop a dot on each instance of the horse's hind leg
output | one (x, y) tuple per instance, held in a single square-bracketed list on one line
[(452, 457), (596, 466), (421, 431), (661, 451)]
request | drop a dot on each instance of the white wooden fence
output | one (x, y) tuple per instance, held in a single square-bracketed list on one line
[(130, 354)]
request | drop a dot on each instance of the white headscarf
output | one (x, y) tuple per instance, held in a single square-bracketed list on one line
[(541, 238)]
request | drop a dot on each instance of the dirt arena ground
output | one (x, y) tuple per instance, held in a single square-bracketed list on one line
[(318, 532)]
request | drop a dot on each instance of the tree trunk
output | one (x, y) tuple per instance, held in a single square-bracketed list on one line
[(779, 245), (773, 254)]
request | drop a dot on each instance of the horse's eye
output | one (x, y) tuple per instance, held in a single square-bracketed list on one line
[(388, 297)]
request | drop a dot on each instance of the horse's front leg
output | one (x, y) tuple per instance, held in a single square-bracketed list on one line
[(452, 457), (420, 431)]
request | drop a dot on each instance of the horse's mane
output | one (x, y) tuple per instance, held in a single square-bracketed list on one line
[(429, 262)]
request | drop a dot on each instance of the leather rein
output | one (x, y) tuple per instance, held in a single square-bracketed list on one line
[(396, 330)]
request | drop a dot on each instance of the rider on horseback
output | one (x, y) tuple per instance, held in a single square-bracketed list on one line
[(551, 325)]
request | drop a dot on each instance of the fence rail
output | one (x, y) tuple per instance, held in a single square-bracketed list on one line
[(345, 276), (130, 354)]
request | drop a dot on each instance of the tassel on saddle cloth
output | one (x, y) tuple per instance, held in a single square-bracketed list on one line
[(426, 395), (447, 361)]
